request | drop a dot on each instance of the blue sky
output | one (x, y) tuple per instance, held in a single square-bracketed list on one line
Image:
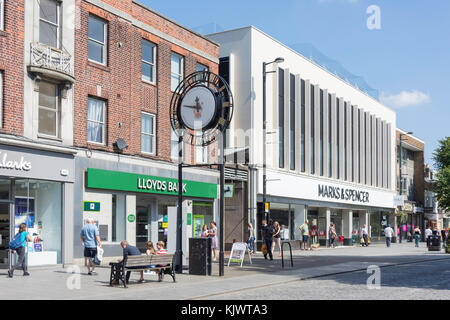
[(407, 60)]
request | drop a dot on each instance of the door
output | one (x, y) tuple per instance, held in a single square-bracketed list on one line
[(142, 227), (5, 234)]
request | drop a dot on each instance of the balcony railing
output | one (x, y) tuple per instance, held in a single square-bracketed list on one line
[(44, 56)]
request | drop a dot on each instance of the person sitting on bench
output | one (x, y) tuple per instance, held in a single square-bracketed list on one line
[(129, 250)]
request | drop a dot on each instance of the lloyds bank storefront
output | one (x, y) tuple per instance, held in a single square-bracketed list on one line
[(136, 199)]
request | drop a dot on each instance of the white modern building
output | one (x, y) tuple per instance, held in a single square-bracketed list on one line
[(330, 147)]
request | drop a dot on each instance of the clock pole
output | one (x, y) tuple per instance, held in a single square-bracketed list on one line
[(179, 251)]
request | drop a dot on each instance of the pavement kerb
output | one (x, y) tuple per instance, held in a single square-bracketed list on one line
[(312, 277)]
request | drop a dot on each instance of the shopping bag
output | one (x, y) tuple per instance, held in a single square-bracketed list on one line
[(264, 249), (98, 257)]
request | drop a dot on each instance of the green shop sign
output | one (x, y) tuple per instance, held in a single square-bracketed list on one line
[(132, 182)]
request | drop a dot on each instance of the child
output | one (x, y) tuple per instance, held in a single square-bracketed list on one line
[(150, 251), (160, 246)]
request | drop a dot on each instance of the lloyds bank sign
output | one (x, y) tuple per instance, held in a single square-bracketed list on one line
[(132, 182)]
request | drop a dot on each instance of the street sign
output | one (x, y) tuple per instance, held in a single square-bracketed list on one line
[(90, 206), (267, 207), (238, 253)]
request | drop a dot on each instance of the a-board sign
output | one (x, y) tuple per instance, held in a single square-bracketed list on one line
[(238, 253)]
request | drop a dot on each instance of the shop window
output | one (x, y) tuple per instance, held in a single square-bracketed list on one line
[(49, 109), (176, 71), (148, 61), (148, 133), (38, 204), (49, 22), (96, 121), (97, 43)]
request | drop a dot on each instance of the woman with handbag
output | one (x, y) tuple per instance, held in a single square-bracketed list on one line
[(333, 236)]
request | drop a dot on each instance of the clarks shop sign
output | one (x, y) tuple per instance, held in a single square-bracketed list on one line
[(14, 164), (132, 182), (338, 193)]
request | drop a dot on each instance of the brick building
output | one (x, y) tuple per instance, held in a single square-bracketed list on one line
[(129, 59), (412, 180), (85, 90)]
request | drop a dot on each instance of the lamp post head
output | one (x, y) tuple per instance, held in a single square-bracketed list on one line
[(279, 60)]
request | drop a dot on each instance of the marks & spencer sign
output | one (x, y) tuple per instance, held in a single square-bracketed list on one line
[(132, 182), (338, 193)]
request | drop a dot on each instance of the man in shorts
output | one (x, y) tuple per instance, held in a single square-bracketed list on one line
[(304, 229), (90, 238)]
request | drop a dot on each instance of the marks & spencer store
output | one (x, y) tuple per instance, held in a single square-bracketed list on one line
[(135, 200), (36, 188)]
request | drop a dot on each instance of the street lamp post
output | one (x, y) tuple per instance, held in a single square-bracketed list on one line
[(400, 171), (265, 64)]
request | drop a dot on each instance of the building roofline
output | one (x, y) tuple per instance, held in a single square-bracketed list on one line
[(302, 56), (174, 22), (410, 135)]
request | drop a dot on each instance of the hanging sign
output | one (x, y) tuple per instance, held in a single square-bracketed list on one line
[(238, 253)]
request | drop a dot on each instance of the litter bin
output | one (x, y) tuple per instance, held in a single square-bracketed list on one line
[(200, 256), (435, 243)]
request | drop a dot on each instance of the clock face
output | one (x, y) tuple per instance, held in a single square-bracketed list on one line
[(198, 108)]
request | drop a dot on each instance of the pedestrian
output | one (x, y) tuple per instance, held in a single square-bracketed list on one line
[(204, 231), (150, 248), (365, 235), (90, 239), (284, 232), (444, 237), (212, 233), (267, 232), (129, 250), (20, 240), (388, 233), (251, 238), (304, 229), (276, 238), (333, 235), (417, 234), (428, 234)]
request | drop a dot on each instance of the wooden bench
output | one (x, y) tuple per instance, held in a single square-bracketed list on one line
[(163, 263)]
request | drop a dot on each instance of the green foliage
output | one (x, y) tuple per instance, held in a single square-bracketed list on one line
[(441, 155), (402, 216), (442, 162)]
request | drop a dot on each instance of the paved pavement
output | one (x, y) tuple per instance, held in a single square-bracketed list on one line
[(405, 272)]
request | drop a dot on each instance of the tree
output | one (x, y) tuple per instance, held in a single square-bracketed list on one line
[(441, 157)]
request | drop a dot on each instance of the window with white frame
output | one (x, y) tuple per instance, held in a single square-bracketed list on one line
[(96, 120), (201, 154), (176, 70), (173, 145), (48, 114), (148, 140), (2, 14), (148, 61), (49, 22), (97, 39)]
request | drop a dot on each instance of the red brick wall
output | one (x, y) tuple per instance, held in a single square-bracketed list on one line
[(126, 94), (11, 64)]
